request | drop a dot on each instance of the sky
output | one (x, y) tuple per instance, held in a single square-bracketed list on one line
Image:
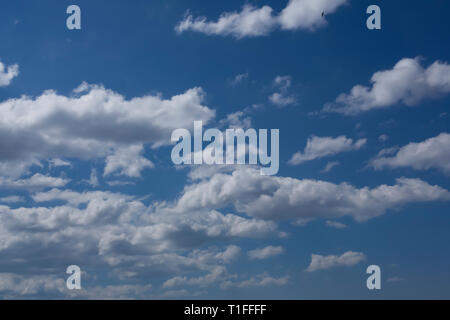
[(86, 176)]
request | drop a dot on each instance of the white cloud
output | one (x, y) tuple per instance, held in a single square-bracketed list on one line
[(307, 14), (127, 161), (13, 285), (347, 259), (7, 74), (330, 165), (258, 281), (281, 198), (253, 22), (265, 253), (37, 181), (250, 22), (335, 224), (12, 199), (282, 98), (239, 78), (136, 241), (236, 120), (408, 83), (115, 230), (319, 147), (431, 153), (95, 123)]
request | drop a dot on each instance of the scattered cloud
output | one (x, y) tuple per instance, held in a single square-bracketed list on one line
[(8, 73), (239, 78), (258, 281), (95, 123), (53, 163), (236, 120), (335, 224), (319, 147), (93, 178), (431, 153), (281, 198), (35, 182), (252, 21), (282, 98), (408, 83), (347, 259), (330, 165)]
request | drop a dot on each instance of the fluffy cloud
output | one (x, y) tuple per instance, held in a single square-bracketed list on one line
[(282, 98), (278, 198), (250, 22), (101, 229), (135, 241), (265, 253), (127, 161), (93, 123), (347, 259), (307, 14), (408, 83), (431, 153), (253, 22), (319, 147), (7, 74)]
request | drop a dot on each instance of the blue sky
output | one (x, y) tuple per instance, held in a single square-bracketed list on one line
[(86, 176)]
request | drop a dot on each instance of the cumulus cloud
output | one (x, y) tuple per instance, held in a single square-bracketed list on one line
[(93, 178), (319, 147), (127, 161), (431, 153), (102, 229), (7, 74), (250, 22), (265, 253), (407, 83), (253, 22), (54, 163), (136, 241), (347, 259), (307, 14), (236, 120), (94, 123), (281, 100), (37, 181), (278, 198)]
